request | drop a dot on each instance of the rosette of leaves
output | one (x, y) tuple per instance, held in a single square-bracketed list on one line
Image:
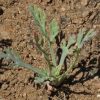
[(71, 47)]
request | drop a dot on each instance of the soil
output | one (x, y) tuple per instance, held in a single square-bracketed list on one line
[(16, 31)]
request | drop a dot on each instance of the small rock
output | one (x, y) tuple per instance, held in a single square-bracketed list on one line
[(97, 85), (4, 34), (98, 95), (77, 21), (84, 2), (13, 82), (11, 2), (93, 15), (99, 90), (4, 86), (1, 98), (85, 13), (96, 77), (63, 9), (24, 94)]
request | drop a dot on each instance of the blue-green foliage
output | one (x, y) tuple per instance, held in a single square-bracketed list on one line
[(71, 47)]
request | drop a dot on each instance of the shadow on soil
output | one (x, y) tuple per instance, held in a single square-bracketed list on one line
[(89, 68), (4, 43), (87, 73)]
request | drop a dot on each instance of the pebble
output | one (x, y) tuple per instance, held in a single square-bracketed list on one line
[(63, 9), (1, 98), (4, 33), (92, 17), (98, 95), (24, 94), (96, 77), (85, 13), (98, 90), (4, 86), (84, 2)]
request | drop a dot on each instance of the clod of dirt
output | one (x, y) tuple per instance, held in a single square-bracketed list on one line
[(86, 12), (4, 86), (4, 32), (84, 2), (49, 1), (1, 11)]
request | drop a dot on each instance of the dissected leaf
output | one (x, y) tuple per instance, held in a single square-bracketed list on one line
[(39, 79), (89, 35), (56, 71), (84, 36), (80, 38), (71, 40), (65, 52), (18, 62), (54, 30), (39, 17), (66, 49)]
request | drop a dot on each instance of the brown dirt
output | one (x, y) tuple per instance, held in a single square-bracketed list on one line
[(17, 29)]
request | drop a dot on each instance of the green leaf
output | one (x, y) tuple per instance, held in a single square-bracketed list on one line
[(39, 79), (89, 35), (46, 55), (80, 38), (54, 30), (18, 62), (63, 44), (65, 52), (67, 49), (2, 55), (39, 17), (84, 36), (56, 71), (71, 41), (10, 54)]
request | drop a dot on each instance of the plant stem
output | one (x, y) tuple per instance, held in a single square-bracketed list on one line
[(63, 56), (65, 75), (52, 53), (76, 58)]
